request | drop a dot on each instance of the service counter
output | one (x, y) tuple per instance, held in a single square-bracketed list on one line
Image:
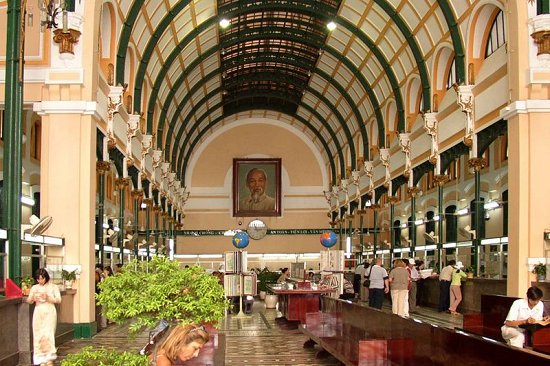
[(294, 303), (472, 289), (544, 286), (16, 335)]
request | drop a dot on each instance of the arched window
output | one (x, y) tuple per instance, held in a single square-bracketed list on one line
[(451, 76), (451, 222), (497, 36), (36, 138)]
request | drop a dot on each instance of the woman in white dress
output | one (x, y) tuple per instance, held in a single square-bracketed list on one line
[(44, 320)]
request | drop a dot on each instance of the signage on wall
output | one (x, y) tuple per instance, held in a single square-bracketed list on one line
[(269, 232)]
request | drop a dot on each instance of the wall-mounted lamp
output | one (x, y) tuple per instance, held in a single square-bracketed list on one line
[(224, 23), (491, 205), (69, 34), (26, 200), (463, 211), (49, 9)]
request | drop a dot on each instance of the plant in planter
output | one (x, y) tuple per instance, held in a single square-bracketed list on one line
[(160, 289), (26, 284), (265, 276), (540, 270), (68, 277), (89, 356), (470, 271)]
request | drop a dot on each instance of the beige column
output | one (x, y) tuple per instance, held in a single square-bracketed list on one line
[(528, 150), (68, 186)]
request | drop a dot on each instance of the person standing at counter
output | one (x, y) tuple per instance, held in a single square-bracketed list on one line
[(445, 286), (455, 292), (379, 284), (44, 319), (284, 275)]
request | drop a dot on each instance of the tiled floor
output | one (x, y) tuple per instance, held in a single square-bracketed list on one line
[(255, 339)]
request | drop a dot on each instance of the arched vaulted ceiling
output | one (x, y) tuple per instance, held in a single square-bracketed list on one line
[(278, 55)]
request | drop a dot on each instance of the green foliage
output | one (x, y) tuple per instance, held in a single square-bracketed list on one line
[(104, 357), (27, 281), (265, 276), (68, 276), (540, 269), (148, 292), (469, 269)]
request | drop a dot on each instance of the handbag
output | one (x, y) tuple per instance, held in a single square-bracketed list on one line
[(366, 283)]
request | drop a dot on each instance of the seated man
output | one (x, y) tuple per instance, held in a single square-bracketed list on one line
[(523, 311)]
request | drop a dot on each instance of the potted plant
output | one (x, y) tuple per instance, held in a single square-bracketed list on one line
[(469, 271), (161, 289), (265, 277), (68, 278), (26, 284), (540, 270), (89, 356)]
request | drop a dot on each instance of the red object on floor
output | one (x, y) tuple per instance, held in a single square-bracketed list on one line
[(12, 290)]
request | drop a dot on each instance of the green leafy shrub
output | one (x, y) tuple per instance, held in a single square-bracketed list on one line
[(104, 357), (266, 276), (148, 292), (68, 275)]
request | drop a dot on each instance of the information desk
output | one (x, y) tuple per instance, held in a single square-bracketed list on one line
[(296, 303)]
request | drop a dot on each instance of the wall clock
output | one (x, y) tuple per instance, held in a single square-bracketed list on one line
[(256, 229)]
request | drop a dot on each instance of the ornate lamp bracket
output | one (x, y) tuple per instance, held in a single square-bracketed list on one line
[(405, 144), (156, 155), (146, 144), (465, 99), (115, 100), (355, 177), (131, 130), (385, 159), (164, 169), (430, 125)]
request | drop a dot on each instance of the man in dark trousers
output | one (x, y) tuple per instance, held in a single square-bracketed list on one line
[(445, 286)]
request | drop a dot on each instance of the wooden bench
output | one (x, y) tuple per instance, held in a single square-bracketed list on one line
[(350, 344), (494, 310), (358, 335), (487, 323)]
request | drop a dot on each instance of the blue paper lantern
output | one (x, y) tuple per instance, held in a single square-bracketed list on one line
[(240, 240), (328, 239)]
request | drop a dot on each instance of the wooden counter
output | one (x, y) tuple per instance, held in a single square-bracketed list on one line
[(295, 303)]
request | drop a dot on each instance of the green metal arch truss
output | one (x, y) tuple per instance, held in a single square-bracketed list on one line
[(179, 6), (218, 90), (456, 38), (208, 77), (384, 4), (210, 51), (219, 119)]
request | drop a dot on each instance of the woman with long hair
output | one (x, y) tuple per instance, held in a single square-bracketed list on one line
[(183, 343)]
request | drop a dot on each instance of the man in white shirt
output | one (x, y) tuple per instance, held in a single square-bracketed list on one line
[(445, 286), (379, 284), (523, 311)]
